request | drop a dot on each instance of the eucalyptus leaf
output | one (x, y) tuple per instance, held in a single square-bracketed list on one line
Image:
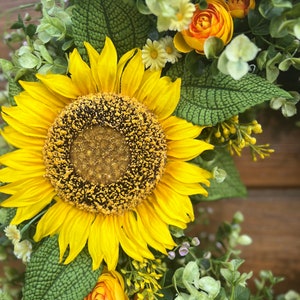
[(47, 279), (210, 286), (29, 60), (93, 20), (257, 24), (241, 293), (208, 100), (191, 272)]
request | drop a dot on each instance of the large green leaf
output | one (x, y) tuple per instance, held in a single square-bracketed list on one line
[(208, 100), (231, 187), (95, 19), (47, 279)]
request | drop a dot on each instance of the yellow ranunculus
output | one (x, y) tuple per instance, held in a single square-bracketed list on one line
[(215, 20), (240, 8), (110, 286)]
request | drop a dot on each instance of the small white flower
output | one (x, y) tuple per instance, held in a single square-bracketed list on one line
[(183, 17), (154, 55), (233, 60), (172, 14), (13, 233), (22, 250), (171, 51)]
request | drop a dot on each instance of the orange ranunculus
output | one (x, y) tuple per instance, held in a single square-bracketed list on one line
[(110, 286), (215, 20), (240, 8)]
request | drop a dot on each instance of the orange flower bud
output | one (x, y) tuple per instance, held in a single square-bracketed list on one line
[(110, 286), (215, 20), (240, 8)]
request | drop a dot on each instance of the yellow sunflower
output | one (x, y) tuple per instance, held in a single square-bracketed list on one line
[(101, 151)]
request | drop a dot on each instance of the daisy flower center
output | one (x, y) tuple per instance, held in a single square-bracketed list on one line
[(105, 153)]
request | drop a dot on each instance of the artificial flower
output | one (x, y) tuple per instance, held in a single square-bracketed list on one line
[(154, 55), (215, 21), (171, 52), (240, 8), (234, 58), (171, 15), (22, 250), (110, 286), (13, 233), (102, 153)]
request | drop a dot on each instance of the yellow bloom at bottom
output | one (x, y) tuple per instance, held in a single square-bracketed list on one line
[(110, 286)]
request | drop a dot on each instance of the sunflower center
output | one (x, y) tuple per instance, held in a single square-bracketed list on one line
[(100, 154), (105, 153)]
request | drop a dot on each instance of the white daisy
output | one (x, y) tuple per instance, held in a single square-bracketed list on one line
[(171, 51), (154, 55), (183, 17)]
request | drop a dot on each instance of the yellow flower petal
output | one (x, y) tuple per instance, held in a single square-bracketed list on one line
[(74, 233), (163, 99), (180, 44), (183, 188), (81, 74), (187, 172), (38, 91), (130, 72), (52, 220), (155, 231), (60, 84), (26, 117), (107, 66), (22, 141), (33, 132), (187, 149), (178, 129), (22, 159)]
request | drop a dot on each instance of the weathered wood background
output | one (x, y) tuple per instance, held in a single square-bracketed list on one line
[(272, 207)]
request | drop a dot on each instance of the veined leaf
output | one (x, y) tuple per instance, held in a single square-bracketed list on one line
[(208, 100), (47, 279), (93, 20)]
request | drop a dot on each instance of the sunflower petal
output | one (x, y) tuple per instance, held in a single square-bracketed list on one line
[(75, 233), (183, 188), (20, 140), (23, 159), (164, 98), (52, 220), (110, 244), (187, 149), (130, 72), (155, 232), (95, 241), (38, 91), (60, 84), (81, 74), (187, 172), (107, 66), (174, 204), (178, 129)]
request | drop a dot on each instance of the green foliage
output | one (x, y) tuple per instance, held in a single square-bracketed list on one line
[(201, 288), (232, 186), (94, 20), (47, 278), (210, 270), (207, 100)]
